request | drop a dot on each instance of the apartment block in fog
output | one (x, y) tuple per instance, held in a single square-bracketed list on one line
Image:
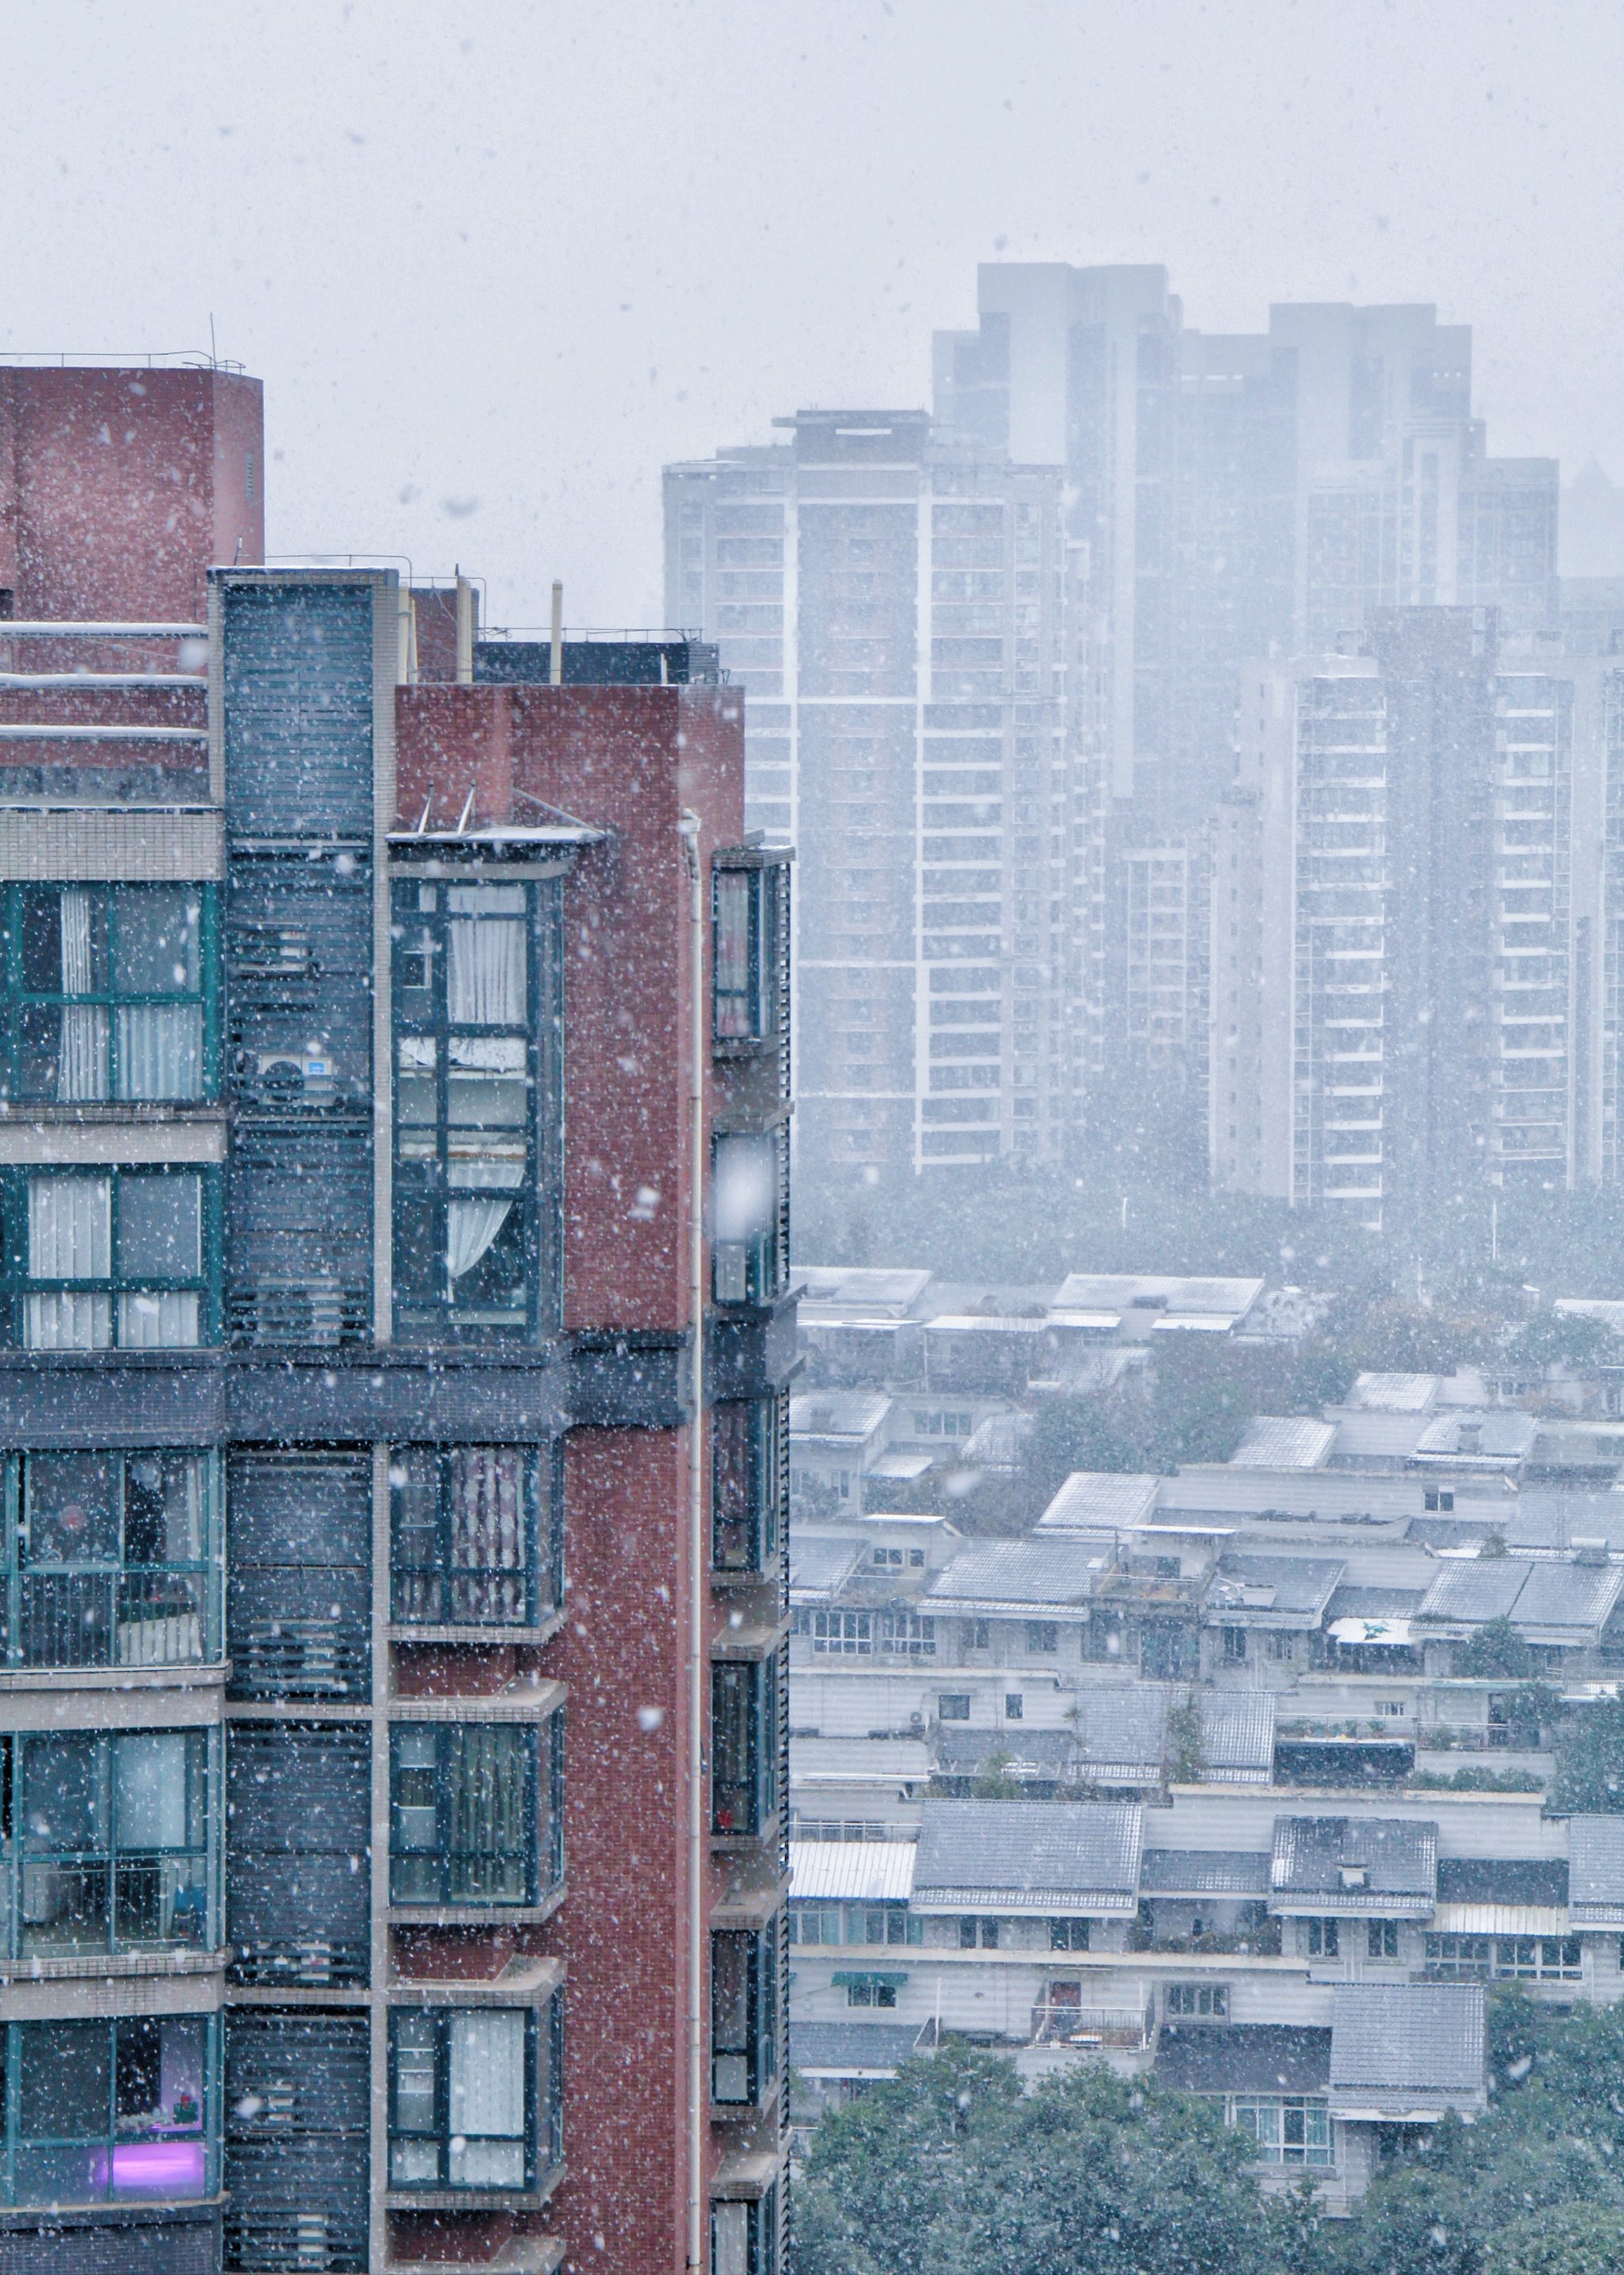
[(1414, 892), (393, 1175), (894, 610), (1229, 496)]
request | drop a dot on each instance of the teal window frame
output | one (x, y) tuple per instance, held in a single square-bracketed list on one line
[(19, 1001), (121, 1876), (427, 1306), (107, 1607), (131, 2041), (15, 1182)]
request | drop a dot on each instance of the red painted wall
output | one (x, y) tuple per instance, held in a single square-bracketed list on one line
[(626, 761), (118, 489)]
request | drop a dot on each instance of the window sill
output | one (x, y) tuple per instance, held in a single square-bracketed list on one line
[(450, 1916), (735, 2112), (477, 2199), (750, 1643), (188, 1674), (767, 1836), (489, 1638), (522, 2255)]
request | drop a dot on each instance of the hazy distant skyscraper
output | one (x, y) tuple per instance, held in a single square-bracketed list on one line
[(894, 610), (1228, 498)]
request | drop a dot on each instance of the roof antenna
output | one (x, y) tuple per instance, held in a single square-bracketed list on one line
[(423, 817), (214, 361), (462, 818), (556, 659)]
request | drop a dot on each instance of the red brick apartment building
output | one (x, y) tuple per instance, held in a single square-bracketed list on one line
[(393, 1349)]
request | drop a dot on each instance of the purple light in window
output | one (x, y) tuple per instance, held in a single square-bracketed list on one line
[(153, 2168)]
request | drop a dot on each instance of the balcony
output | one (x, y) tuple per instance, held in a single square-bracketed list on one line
[(1055, 2023), (155, 1617)]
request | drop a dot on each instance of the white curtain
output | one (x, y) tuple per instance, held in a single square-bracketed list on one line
[(470, 1229), (159, 1050), (81, 1066), (486, 2110), (70, 1322), (69, 1228), (485, 983), (731, 2239), (485, 1488), (487, 1545), (155, 1320), (149, 1791)]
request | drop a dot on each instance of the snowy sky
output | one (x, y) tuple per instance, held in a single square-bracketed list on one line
[(496, 261)]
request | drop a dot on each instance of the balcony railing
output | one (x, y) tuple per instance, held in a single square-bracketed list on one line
[(72, 1904), (1090, 2026), (155, 1616)]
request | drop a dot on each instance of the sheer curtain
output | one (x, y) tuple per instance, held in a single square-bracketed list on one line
[(70, 1237), (486, 2096), (159, 1050), (485, 986), (154, 1320), (470, 1229), (82, 1067), (486, 1783), (487, 1547)]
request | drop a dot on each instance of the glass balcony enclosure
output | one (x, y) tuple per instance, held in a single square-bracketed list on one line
[(749, 1478), (745, 1729), (108, 993), (475, 1813), (126, 2110), (477, 1537), (108, 1846), (111, 1559), (474, 2098), (474, 1071), (745, 1966)]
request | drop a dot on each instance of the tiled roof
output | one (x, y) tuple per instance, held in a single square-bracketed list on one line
[(1245, 2057), (837, 1413), (1595, 1870), (1395, 1393), (1095, 1500), (1500, 1433), (1275, 1589), (1284, 1442), (851, 1871), (1123, 1725), (850, 2049), (1502, 1880), (1029, 1854), (1047, 1754), (1355, 1863), (1549, 1601), (821, 1563), (1204, 1872), (1420, 2041), (1023, 1575)]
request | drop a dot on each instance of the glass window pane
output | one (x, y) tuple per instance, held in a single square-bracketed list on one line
[(157, 940), (150, 1790), (66, 2081), (65, 1795), (69, 1228), (414, 2073), (485, 980), (159, 1050), (163, 1508), (486, 2074), (161, 1228), (69, 1508)]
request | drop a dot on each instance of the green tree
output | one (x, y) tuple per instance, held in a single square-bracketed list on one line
[(950, 2169), (1185, 1740), (1590, 1760), (1562, 1339), (1571, 2239), (1497, 1653)]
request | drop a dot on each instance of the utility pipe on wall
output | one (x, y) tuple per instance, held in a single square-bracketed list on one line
[(698, 1562)]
